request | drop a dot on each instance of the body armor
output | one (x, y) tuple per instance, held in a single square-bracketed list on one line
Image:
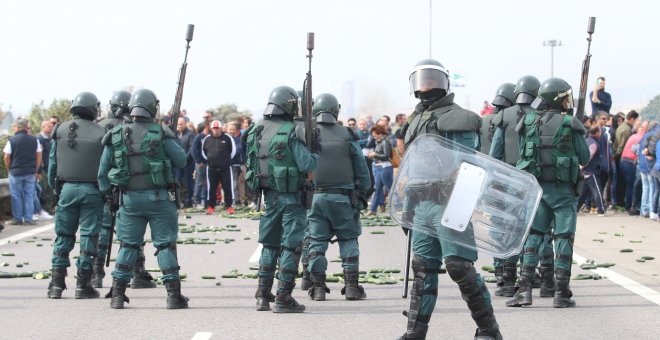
[(270, 163), (507, 120), (335, 167), (139, 161), (78, 140)]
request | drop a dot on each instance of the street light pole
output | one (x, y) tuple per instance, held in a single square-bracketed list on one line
[(552, 43)]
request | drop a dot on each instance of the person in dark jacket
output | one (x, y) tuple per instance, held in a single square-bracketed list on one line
[(382, 168), (218, 149), (22, 160), (200, 165), (185, 176)]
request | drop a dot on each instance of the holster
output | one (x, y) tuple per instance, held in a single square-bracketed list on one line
[(307, 193), (59, 183), (113, 199)]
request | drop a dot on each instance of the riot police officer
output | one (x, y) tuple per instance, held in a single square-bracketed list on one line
[(80, 202), (277, 161), (552, 149), (503, 99), (141, 278), (138, 158), (505, 148), (341, 177), (437, 113)]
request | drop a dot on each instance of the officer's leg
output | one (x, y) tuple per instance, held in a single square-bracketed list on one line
[(141, 277), (102, 248), (319, 235), (306, 282), (270, 236), (540, 225), (547, 266), (164, 229), (509, 277), (294, 220), (130, 233), (349, 250), (474, 292), (565, 220), (66, 225), (90, 209)]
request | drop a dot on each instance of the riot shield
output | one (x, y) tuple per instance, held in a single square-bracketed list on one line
[(446, 190)]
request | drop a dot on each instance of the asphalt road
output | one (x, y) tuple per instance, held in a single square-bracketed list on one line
[(625, 305)]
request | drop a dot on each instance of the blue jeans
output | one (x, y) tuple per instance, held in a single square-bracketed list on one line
[(200, 184), (647, 193), (627, 169), (383, 177), (37, 195), (22, 197)]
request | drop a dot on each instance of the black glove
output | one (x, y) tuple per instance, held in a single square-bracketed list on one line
[(316, 141)]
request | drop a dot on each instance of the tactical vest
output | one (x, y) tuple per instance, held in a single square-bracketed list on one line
[(335, 167), (79, 149), (507, 120), (450, 121), (486, 133), (547, 147), (139, 161), (270, 160)]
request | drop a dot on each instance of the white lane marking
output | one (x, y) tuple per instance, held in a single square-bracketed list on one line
[(28, 233), (624, 282), (256, 255), (202, 336)]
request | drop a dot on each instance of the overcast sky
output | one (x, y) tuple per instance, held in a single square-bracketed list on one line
[(243, 49)]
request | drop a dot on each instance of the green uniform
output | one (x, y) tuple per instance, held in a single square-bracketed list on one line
[(76, 142), (145, 198), (341, 170), (277, 163)]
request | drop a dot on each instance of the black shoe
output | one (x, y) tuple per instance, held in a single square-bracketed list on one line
[(284, 302), (84, 289), (2, 227), (633, 212), (57, 284), (142, 280), (523, 297), (306, 282), (175, 300), (118, 294)]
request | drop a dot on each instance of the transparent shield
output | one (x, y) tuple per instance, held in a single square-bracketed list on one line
[(446, 190)]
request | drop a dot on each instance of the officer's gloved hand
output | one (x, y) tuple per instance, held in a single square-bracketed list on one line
[(316, 141)]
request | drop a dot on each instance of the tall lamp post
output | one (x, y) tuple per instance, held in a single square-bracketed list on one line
[(552, 43)]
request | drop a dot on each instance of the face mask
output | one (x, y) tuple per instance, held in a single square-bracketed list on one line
[(429, 97)]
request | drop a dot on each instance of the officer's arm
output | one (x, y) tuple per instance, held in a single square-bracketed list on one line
[(360, 168), (52, 164), (579, 143), (174, 152), (104, 169), (497, 146), (305, 160)]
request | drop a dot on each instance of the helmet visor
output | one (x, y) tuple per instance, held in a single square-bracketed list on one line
[(566, 94), (428, 78)]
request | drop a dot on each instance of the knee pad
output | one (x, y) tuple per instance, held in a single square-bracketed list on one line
[(422, 267)]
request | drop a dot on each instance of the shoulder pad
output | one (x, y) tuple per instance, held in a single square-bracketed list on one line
[(167, 133), (352, 133), (107, 138), (54, 134), (299, 133), (577, 126), (498, 119)]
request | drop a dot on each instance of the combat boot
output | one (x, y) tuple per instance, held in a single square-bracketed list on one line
[(98, 272), (284, 302), (499, 272), (175, 300), (318, 289), (547, 280), (523, 297), (352, 290), (563, 293), (57, 284), (488, 328), (536, 281), (306, 282), (117, 294), (84, 289), (263, 295), (417, 327), (509, 278), (141, 277)]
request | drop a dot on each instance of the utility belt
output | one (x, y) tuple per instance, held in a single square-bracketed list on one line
[(346, 192)]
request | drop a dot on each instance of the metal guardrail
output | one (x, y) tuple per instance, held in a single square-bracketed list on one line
[(4, 187)]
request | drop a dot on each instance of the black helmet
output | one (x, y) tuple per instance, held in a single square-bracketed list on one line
[(143, 103), (552, 94), (283, 100), (427, 75), (119, 103), (326, 102), (527, 88), (504, 96), (86, 105)]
